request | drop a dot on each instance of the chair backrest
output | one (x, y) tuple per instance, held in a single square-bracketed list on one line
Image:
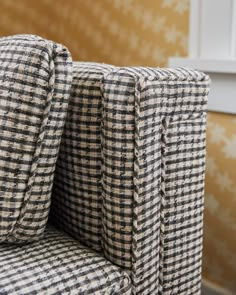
[(77, 201)]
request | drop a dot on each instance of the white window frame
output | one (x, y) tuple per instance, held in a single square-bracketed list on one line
[(212, 49)]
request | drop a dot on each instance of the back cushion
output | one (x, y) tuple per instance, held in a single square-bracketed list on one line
[(77, 201), (35, 80)]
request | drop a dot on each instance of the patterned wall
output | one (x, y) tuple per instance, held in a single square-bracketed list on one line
[(113, 31), (144, 32), (220, 202)]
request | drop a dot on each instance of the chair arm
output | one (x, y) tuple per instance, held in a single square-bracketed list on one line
[(153, 151)]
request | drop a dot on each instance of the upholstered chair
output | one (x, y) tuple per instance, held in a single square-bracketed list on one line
[(101, 174)]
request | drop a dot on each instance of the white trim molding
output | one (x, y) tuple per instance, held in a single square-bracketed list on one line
[(225, 66), (212, 29), (212, 49)]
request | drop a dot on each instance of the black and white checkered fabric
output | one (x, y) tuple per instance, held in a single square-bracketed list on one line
[(35, 80), (77, 201), (153, 176), (130, 176), (58, 264)]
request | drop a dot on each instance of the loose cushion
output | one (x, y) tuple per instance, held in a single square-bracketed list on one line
[(35, 80), (58, 264)]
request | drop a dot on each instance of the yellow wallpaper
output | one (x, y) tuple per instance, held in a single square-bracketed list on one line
[(122, 32), (220, 202), (144, 32)]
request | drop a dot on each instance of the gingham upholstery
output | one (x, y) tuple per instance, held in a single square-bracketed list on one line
[(58, 264), (35, 80), (77, 201), (134, 180)]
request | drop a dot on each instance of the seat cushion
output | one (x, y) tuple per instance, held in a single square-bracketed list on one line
[(58, 264), (35, 80)]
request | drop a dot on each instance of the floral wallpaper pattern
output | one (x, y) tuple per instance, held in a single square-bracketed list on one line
[(145, 32), (122, 32), (220, 202)]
